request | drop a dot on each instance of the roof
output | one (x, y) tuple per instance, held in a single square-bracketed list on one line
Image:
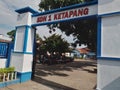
[(84, 50), (4, 38)]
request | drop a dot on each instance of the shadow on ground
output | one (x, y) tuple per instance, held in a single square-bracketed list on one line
[(58, 69), (45, 70), (51, 84)]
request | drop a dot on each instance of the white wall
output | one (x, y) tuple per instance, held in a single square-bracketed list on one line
[(22, 62), (24, 19), (30, 41), (108, 76), (27, 63), (110, 45), (17, 61), (108, 6), (19, 40), (3, 63)]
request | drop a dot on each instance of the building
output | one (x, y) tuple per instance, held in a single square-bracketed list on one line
[(4, 38)]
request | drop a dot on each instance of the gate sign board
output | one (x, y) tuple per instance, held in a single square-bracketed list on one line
[(63, 14)]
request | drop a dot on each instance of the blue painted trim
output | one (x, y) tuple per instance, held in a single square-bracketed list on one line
[(26, 35), (99, 37), (3, 57), (23, 26), (23, 52), (15, 38), (26, 76), (53, 22), (109, 14), (25, 39), (11, 46), (27, 28), (108, 58), (9, 54), (26, 9), (7, 83), (67, 8)]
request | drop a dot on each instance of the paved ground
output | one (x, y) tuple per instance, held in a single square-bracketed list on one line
[(77, 75)]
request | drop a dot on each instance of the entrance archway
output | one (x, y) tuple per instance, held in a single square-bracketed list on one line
[(107, 46)]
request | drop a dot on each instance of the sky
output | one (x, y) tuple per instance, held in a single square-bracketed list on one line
[(8, 17)]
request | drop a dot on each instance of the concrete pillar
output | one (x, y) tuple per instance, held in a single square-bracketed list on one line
[(22, 56), (108, 77)]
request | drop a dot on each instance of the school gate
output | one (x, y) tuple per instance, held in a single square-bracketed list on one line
[(108, 51)]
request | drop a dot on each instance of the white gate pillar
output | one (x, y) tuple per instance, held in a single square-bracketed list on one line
[(22, 56), (108, 77)]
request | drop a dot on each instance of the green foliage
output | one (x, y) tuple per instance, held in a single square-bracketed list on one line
[(38, 37), (7, 70), (54, 43), (53, 4), (11, 34)]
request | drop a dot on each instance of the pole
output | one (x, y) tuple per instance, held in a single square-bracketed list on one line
[(34, 54)]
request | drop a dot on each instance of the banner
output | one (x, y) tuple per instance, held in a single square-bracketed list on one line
[(65, 15)]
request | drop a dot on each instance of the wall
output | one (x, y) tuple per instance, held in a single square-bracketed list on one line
[(110, 36), (22, 62), (108, 6), (3, 63), (108, 75), (19, 44), (24, 19)]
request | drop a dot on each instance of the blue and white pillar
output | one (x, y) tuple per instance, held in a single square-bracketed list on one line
[(22, 56), (108, 76)]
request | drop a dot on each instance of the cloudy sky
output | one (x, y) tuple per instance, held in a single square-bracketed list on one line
[(8, 16)]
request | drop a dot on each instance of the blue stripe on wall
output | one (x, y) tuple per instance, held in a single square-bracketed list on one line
[(99, 37), (108, 58), (27, 28), (23, 52), (5, 84), (11, 46), (23, 26), (109, 14), (15, 38), (24, 76), (25, 39)]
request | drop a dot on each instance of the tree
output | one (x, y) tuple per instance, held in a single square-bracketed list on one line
[(11, 34), (84, 31), (53, 4), (54, 44)]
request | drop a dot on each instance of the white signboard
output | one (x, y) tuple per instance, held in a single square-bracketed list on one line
[(65, 15)]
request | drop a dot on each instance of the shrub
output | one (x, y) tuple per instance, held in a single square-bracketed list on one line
[(7, 70)]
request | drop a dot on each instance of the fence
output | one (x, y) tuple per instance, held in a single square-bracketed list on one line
[(8, 76), (4, 50)]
